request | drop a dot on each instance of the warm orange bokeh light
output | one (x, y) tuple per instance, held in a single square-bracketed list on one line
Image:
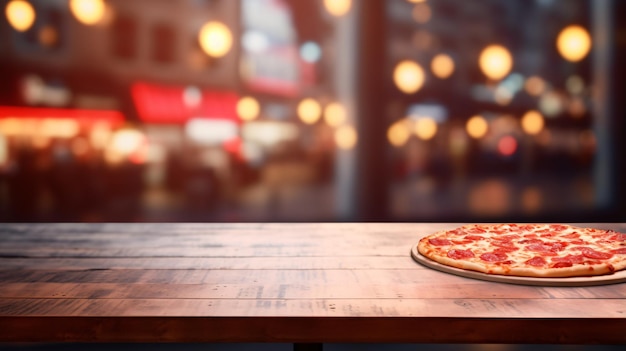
[(215, 39), (535, 86), (346, 137), (477, 127), (573, 43), (88, 12), (495, 61), (338, 7), (20, 14), (532, 122), (335, 114), (398, 133), (442, 66), (425, 128), (309, 111), (248, 108), (408, 76)]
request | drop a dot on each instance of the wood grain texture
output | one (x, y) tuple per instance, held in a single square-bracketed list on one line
[(271, 282)]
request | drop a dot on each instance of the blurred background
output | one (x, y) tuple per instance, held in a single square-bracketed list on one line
[(311, 110)]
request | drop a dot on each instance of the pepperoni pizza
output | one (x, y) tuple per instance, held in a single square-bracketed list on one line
[(530, 250)]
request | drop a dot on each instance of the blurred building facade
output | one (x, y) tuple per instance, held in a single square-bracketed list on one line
[(252, 110)]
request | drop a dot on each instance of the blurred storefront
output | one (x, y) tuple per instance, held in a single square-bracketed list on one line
[(289, 110)]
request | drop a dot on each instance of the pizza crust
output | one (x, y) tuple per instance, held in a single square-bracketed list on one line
[(517, 267)]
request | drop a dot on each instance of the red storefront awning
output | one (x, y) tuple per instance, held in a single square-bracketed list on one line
[(169, 104)]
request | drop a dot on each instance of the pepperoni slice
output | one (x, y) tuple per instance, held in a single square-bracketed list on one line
[(590, 253), (545, 250), (526, 227), (493, 256), (474, 237), (558, 227), (459, 254), (578, 242), (571, 236), (509, 237), (558, 246), (539, 248), (537, 261), (505, 249), (547, 235), (500, 243), (439, 242), (530, 236), (621, 251), (562, 264), (580, 248), (531, 241)]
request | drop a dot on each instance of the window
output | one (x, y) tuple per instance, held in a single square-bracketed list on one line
[(124, 33), (163, 43)]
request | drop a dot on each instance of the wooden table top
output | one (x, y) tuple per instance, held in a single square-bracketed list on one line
[(296, 282)]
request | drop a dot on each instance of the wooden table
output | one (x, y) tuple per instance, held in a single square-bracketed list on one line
[(296, 283)]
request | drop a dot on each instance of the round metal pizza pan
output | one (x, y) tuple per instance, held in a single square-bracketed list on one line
[(615, 278)]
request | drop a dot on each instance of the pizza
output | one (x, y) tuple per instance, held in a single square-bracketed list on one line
[(529, 250)]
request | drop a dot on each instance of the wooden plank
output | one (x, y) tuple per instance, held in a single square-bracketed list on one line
[(133, 230), (316, 262), (424, 290), (243, 276), (262, 251), (313, 329), (440, 308)]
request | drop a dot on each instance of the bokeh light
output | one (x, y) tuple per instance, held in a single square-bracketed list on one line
[(335, 114), (127, 141), (551, 104), (88, 12), (20, 14), (503, 96), (442, 66), (346, 137), (425, 128), (422, 13), (477, 127), (576, 107), (310, 52), (495, 61), (309, 111), (408, 76), (535, 86), (573, 43), (338, 7), (215, 39), (575, 85), (248, 108), (48, 36), (532, 122), (398, 133), (507, 145)]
